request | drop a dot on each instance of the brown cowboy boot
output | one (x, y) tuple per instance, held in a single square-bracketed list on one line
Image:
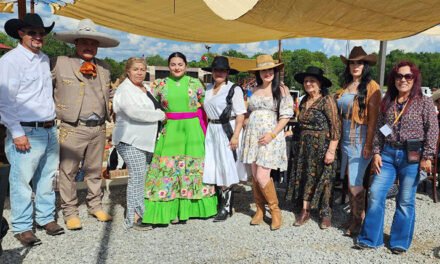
[(303, 217), (270, 195), (259, 203), (358, 215), (347, 223)]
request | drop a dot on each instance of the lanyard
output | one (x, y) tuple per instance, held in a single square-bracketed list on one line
[(397, 117)]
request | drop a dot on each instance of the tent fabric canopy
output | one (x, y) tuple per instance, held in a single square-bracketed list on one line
[(6, 7), (258, 20)]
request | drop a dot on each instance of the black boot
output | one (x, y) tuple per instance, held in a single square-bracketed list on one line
[(225, 206)]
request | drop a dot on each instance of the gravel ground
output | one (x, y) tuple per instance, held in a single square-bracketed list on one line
[(233, 241)]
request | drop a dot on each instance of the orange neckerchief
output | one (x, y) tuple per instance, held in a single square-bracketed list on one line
[(88, 68)]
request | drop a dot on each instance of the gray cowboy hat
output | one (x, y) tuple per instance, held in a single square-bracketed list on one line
[(87, 29), (12, 26)]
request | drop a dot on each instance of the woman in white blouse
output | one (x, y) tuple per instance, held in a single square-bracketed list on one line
[(225, 108), (134, 135)]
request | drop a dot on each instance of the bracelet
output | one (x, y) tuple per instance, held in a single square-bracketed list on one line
[(273, 135), (331, 152)]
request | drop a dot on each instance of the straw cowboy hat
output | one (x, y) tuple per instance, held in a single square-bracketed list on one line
[(12, 26), (316, 72), (221, 63), (358, 54), (87, 29), (265, 62)]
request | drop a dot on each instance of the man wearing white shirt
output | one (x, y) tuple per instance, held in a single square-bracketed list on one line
[(28, 112)]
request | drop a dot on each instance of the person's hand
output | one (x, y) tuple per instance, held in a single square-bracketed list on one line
[(426, 165), (377, 163), (22, 143), (366, 153), (288, 133), (329, 157), (265, 139), (233, 144)]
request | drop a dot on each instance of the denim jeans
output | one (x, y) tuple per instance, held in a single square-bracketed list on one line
[(38, 164), (394, 164)]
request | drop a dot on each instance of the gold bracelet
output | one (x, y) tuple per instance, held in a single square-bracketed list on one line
[(273, 135)]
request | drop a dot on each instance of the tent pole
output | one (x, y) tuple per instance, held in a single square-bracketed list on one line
[(21, 8), (32, 6), (280, 59), (383, 56)]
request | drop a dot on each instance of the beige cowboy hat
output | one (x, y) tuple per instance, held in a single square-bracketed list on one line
[(87, 29), (358, 54), (265, 62)]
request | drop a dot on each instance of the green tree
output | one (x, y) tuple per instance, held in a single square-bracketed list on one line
[(116, 68), (156, 60), (54, 48), (234, 53)]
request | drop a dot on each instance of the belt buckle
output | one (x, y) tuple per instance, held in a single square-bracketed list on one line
[(48, 124)]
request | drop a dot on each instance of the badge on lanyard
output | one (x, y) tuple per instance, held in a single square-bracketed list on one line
[(386, 130)]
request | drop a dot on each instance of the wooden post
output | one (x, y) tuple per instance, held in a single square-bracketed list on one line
[(32, 6), (280, 59), (382, 59), (21, 4)]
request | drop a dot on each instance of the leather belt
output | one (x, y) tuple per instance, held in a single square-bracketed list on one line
[(397, 145), (87, 123), (43, 124), (218, 121)]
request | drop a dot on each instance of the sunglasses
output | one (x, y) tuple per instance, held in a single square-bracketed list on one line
[(408, 77), (355, 62), (33, 33)]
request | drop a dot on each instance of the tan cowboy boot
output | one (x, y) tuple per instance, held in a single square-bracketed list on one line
[(259, 203), (270, 195), (358, 214), (303, 217)]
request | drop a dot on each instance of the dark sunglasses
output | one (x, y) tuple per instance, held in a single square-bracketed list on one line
[(33, 33), (356, 62), (408, 77)]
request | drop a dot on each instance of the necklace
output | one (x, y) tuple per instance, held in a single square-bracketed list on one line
[(311, 101), (352, 87)]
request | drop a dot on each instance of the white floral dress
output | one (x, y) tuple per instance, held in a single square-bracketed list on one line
[(262, 120)]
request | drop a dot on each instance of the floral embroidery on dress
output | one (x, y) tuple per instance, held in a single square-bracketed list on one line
[(196, 92)]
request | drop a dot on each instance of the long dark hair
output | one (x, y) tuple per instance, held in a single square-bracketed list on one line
[(392, 92), (276, 92), (361, 95), (178, 55)]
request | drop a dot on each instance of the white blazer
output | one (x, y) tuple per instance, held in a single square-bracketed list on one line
[(136, 118)]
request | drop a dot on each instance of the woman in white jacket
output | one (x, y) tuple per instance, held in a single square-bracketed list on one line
[(134, 135)]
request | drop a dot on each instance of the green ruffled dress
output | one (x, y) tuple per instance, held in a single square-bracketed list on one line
[(174, 188)]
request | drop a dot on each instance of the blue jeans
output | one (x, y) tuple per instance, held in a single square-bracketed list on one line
[(394, 164), (38, 164)]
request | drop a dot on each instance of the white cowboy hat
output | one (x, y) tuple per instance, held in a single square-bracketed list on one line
[(87, 29)]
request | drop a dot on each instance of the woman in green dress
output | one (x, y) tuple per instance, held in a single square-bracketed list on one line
[(174, 188)]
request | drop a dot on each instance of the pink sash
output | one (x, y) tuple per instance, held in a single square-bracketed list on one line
[(187, 115)]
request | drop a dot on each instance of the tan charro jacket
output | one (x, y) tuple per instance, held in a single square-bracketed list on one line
[(370, 114), (69, 85)]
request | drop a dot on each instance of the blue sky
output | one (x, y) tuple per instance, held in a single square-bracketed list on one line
[(135, 45)]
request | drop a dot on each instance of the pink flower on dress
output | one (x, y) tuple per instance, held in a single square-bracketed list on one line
[(181, 164), (190, 194), (205, 191), (173, 195), (190, 92), (199, 91), (162, 194), (170, 164), (183, 192), (162, 83), (186, 178)]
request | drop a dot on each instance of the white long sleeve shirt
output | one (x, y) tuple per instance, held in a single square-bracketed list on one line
[(26, 91), (136, 118)]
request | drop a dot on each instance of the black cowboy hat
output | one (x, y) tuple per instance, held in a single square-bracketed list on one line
[(316, 72), (222, 63), (12, 26)]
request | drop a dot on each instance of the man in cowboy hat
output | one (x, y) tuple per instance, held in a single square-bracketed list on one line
[(28, 112), (82, 85)]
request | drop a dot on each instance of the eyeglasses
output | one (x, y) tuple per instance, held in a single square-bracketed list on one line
[(356, 62), (33, 33), (408, 77)]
